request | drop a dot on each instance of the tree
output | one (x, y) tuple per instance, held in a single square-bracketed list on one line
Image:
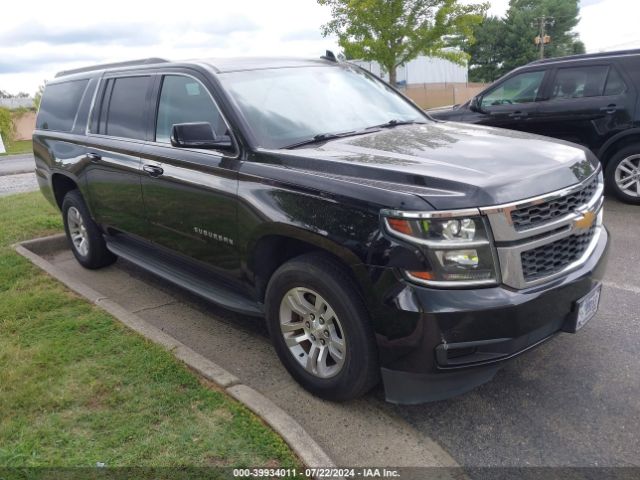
[(504, 44), (6, 125), (485, 54), (393, 32), (522, 26), (37, 98)]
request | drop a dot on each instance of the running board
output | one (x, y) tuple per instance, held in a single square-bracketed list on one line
[(183, 277)]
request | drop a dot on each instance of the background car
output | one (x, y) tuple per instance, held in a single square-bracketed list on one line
[(587, 99)]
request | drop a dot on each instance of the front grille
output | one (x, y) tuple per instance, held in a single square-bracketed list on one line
[(535, 215), (553, 257)]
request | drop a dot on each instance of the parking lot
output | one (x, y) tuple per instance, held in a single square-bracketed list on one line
[(574, 401)]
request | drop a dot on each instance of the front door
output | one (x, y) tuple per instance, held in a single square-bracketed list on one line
[(190, 194), (513, 102)]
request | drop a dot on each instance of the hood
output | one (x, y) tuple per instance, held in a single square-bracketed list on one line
[(451, 165), (444, 108)]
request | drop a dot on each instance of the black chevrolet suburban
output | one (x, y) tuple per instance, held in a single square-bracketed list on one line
[(376, 242), (588, 99)]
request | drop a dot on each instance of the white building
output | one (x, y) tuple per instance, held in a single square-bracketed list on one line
[(422, 70), (13, 103)]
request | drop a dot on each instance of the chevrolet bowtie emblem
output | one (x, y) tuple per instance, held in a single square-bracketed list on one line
[(585, 221)]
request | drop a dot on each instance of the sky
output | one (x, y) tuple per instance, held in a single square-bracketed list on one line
[(40, 38)]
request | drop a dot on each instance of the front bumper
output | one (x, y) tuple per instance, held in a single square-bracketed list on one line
[(435, 344)]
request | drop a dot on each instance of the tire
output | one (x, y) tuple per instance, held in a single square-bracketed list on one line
[(304, 279), (625, 164), (87, 243)]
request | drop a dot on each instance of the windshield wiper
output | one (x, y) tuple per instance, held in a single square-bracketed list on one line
[(394, 123), (321, 137)]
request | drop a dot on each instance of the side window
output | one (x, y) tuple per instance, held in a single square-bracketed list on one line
[(579, 82), (521, 88), (123, 108), (59, 105), (615, 84), (185, 100)]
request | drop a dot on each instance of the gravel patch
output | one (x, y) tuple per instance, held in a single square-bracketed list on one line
[(24, 182)]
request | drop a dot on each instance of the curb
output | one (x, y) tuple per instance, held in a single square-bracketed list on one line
[(298, 439)]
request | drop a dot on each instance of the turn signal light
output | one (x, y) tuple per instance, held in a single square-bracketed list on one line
[(422, 275), (400, 225)]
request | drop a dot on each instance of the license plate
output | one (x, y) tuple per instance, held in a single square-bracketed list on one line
[(587, 307)]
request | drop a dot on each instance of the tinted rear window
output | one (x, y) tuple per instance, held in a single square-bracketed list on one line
[(125, 106), (59, 105)]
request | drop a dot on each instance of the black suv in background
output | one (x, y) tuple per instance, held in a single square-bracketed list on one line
[(374, 240), (587, 99)]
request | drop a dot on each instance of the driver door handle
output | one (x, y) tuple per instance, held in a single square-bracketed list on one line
[(611, 108), (153, 170), (94, 157)]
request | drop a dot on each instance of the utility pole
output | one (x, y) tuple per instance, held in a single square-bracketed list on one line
[(542, 37)]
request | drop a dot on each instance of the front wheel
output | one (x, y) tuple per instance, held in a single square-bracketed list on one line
[(320, 328), (623, 174)]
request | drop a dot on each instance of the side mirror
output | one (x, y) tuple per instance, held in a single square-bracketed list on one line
[(198, 135), (475, 105)]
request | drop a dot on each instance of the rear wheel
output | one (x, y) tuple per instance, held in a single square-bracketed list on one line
[(320, 328), (623, 174), (85, 238)]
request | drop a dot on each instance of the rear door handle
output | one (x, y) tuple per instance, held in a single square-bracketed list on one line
[(611, 108), (153, 170), (518, 114), (94, 157)]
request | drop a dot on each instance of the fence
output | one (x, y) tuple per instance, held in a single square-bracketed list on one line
[(431, 95), (24, 124)]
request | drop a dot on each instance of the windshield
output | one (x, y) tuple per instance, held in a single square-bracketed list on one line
[(290, 105)]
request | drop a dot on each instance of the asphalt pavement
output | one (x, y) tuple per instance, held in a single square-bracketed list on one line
[(12, 164)]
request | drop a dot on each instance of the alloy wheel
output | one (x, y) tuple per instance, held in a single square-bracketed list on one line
[(78, 231), (627, 176), (312, 332)]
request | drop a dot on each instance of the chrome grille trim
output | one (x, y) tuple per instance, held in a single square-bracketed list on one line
[(512, 242), (511, 257), (526, 218), (552, 257), (502, 222)]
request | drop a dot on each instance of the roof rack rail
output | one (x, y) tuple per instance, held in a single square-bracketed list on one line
[(587, 55), (130, 63)]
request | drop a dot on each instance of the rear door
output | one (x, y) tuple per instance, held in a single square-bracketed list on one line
[(587, 104), (512, 103), (190, 194), (117, 133)]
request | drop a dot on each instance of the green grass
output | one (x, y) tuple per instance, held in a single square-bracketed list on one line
[(77, 387), (19, 146)]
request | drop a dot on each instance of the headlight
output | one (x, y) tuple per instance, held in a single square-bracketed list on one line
[(457, 245)]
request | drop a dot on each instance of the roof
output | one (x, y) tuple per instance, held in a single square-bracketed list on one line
[(220, 65), (258, 63), (585, 56)]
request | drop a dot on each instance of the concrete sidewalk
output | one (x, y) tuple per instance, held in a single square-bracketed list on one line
[(358, 433)]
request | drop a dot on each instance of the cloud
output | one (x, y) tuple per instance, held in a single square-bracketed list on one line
[(129, 34), (312, 35), (35, 63)]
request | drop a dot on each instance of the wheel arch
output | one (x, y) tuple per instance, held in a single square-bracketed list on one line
[(616, 143), (61, 185), (281, 243)]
